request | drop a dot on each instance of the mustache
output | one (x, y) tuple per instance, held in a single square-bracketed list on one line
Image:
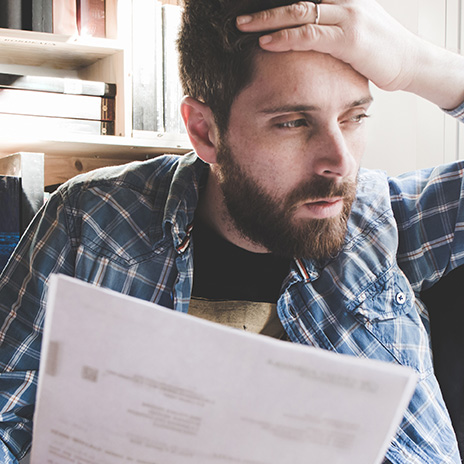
[(321, 187)]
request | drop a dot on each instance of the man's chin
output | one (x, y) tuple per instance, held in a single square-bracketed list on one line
[(317, 239)]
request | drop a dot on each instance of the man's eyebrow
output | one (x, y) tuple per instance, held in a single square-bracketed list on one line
[(361, 102), (289, 109), (308, 108)]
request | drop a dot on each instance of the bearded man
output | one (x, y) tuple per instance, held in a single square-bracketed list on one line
[(270, 225)]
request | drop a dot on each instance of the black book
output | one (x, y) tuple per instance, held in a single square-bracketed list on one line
[(16, 14), (29, 169), (42, 15), (10, 211), (21, 196), (58, 85)]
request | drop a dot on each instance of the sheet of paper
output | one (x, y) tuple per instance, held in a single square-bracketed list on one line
[(123, 380)]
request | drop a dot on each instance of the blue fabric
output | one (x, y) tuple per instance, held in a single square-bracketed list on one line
[(128, 229), (8, 242)]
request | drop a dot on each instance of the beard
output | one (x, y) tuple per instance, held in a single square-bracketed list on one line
[(269, 221)]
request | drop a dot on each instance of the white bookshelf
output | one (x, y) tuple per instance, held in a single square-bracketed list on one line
[(103, 59)]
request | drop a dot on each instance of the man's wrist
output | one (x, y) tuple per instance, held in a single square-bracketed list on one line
[(439, 77)]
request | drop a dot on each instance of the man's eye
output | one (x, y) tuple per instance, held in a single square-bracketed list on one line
[(359, 118), (292, 124)]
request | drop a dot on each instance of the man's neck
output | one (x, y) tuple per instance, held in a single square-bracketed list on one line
[(213, 211)]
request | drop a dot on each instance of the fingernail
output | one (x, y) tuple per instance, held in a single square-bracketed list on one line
[(265, 39), (244, 20)]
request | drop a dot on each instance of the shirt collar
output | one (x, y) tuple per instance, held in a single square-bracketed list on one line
[(182, 200)]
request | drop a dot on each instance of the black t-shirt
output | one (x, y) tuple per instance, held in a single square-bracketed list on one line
[(223, 271)]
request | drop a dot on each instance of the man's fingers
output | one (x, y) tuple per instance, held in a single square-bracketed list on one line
[(278, 18), (297, 14), (294, 27), (304, 38)]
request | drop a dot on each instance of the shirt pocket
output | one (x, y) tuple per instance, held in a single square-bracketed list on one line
[(387, 310)]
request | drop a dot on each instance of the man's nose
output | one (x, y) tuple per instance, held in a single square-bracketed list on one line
[(332, 157)]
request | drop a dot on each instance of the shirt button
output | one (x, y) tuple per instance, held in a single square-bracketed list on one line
[(400, 298)]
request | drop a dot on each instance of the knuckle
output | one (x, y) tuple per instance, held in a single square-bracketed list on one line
[(306, 33), (292, 39), (355, 14), (300, 11), (265, 15), (285, 35)]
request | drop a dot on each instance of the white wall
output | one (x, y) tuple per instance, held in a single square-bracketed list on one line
[(407, 132)]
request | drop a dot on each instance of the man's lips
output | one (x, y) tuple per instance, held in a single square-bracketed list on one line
[(322, 208)]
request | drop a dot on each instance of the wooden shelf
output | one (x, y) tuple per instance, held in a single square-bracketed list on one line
[(52, 50), (94, 145), (69, 156)]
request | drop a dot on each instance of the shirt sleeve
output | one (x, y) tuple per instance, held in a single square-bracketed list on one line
[(429, 211), (457, 113), (45, 248), (428, 206)]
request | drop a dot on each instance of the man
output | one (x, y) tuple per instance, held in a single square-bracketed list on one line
[(271, 210)]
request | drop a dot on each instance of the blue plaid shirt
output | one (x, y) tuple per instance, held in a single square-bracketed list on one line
[(128, 228)]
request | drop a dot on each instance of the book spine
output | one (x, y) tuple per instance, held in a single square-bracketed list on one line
[(30, 102), (91, 18), (64, 17), (107, 109), (16, 14), (4, 14), (42, 15), (147, 66), (57, 85), (107, 128), (10, 211), (171, 80), (49, 126), (14, 11)]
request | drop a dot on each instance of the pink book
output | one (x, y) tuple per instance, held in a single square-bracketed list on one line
[(65, 17), (91, 18)]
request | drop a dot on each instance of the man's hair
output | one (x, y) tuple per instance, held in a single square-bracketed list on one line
[(215, 58)]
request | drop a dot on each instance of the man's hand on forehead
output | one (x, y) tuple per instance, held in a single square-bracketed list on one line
[(358, 32)]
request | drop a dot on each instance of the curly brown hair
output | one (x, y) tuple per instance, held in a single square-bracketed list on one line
[(215, 58)]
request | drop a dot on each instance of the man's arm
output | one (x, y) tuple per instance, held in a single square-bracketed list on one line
[(44, 249), (362, 34)]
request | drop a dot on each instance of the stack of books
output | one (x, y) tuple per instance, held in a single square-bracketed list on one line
[(83, 17), (50, 105)]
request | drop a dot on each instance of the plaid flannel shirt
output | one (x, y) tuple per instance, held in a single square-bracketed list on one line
[(128, 228)]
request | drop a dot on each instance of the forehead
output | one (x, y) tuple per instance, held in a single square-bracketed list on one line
[(305, 78)]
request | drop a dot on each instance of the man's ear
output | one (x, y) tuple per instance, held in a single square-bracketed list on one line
[(201, 128)]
